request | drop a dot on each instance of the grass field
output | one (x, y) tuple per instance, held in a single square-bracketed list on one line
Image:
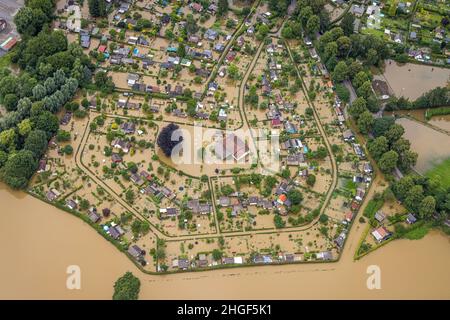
[(441, 173), (5, 61)]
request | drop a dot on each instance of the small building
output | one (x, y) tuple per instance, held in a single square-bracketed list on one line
[(348, 135), (410, 218), (360, 192), (380, 216), (136, 179), (116, 158), (324, 255), (136, 252), (128, 127), (211, 34), (71, 204), (339, 241), (132, 78), (381, 234), (224, 201), (168, 212)]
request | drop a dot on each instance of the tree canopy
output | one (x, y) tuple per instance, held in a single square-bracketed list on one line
[(127, 287), (166, 141)]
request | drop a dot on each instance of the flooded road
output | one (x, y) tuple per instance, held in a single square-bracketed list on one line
[(38, 242), (432, 146)]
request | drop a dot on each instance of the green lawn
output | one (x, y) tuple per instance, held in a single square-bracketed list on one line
[(441, 173), (5, 61)]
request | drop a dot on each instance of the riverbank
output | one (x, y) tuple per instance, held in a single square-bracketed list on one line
[(39, 241)]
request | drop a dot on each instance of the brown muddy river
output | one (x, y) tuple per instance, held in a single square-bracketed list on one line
[(38, 242)]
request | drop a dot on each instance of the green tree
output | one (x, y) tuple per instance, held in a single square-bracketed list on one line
[(414, 197), (127, 287), (233, 72), (342, 92), (304, 15), (340, 72), (365, 122), (378, 147), (217, 254), (357, 107), (388, 161), (36, 142), (295, 196), (10, 101), (47, 122), (394, 133), (97, 8), (8, 139), (311, 180), (427, 207), (278, 221), (222, 8), (347, 23), (313, 25), (24, 127), (407, 159), (18, 169)]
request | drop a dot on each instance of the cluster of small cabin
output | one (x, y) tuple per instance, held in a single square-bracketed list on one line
[(204, 260), (239, 202), (362, 181)]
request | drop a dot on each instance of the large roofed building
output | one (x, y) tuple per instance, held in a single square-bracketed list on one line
[(231, 146)]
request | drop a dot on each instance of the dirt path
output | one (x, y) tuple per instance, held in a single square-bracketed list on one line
[(322, 132)]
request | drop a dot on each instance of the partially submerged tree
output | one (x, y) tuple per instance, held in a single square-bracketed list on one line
[(127, 287), (167, 140)]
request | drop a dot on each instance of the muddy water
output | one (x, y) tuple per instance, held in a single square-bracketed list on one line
[(38, 242), (442, 122), (431, 145), (412, 80)]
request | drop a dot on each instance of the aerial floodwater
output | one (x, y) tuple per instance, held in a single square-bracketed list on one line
[(412, 80), (432, 146), (38, 242)]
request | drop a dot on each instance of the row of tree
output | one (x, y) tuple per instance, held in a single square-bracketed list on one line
[(434, 98), (423, 196), (52, 71), (25, 132)]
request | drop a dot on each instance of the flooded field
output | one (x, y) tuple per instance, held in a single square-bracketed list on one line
[(431, 145), (40, 241), (412, 80), (442, 122)]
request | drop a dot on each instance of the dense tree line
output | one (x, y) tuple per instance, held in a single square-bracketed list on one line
[(48, 52), (389, 148), (436, 97), (25, 132), (51, 72), (422, 196)]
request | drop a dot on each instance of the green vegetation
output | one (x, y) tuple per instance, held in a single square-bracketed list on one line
[(440, 173), (414, 232), (437, 112), (127, 287), (434, 98), (372, 207)]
